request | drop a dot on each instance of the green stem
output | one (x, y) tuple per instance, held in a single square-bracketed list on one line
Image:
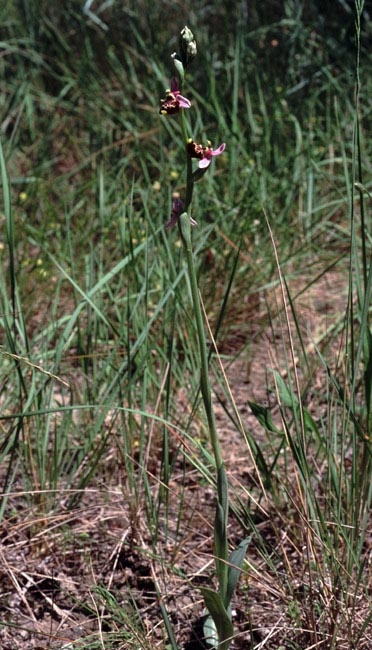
[(189, 181), (221, 550), (204, 375)]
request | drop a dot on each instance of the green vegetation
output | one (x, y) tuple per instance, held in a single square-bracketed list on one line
[(107, 476)]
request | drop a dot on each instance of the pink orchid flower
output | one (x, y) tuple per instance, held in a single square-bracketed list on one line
[(173, 100), (208, 153), (204, 154)]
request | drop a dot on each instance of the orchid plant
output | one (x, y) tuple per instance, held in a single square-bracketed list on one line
[(218, 628)]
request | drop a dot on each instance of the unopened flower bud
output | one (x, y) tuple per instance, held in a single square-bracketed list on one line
[(191, 50), (187, 46)]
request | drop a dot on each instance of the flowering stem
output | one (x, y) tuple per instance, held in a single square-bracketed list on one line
[(217, 603), (220, 533), (189, 181), (204, 379)]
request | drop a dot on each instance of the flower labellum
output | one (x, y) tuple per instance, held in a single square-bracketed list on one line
[(204, 154), (173, 100)]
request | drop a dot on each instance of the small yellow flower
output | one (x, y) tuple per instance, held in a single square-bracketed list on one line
[(174, 174), (39, 262), (22, 196), (156, 186)]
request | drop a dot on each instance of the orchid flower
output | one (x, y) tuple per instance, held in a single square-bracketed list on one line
[(204, 154), (173, 100)]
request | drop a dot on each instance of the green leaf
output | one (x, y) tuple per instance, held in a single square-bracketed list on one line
[(222, 490), (235, 568), (220, 616), (310, 422), (263, 415), (287, 395), (221, 549)]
